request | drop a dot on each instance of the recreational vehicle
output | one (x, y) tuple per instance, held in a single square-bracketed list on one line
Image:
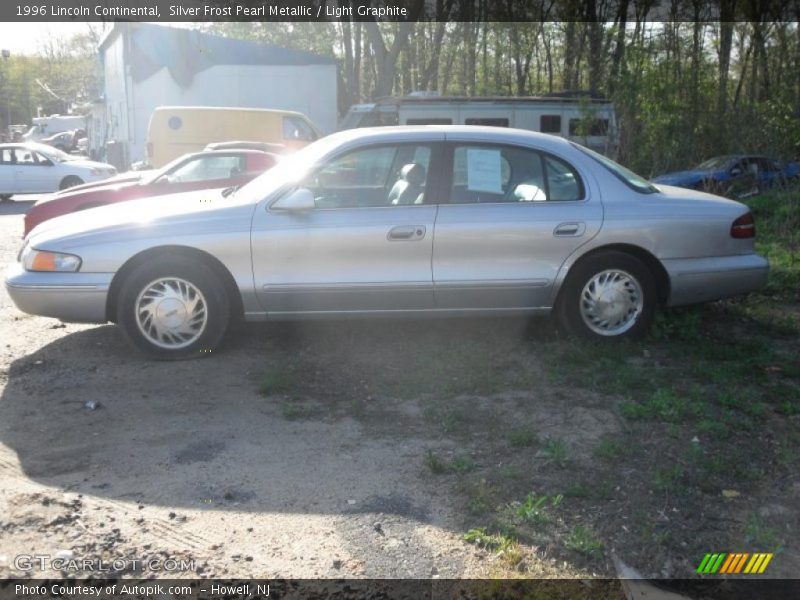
[(583, 118)]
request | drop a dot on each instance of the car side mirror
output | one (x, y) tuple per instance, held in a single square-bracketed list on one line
[(736, 171), (298, 200)]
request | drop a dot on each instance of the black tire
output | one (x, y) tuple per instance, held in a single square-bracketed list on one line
[(569, 304), (193, 272), (70, 181)]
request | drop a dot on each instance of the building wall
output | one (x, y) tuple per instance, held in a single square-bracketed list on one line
[(115, 92), (310, 90)]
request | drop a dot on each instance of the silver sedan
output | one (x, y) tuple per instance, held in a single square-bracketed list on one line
[(450, 221)]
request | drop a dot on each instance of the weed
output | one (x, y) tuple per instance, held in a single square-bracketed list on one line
[(493, 542), (535, 508), (760, 536), (713, 428), (583, 541), (664, 404), (667, 479), (610, 449), (438, 466), (462, 464), (555, 450), (434, 463), (677, 324), (277, 381), (522, 437)]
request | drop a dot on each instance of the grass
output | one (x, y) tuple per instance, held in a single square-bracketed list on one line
[(583, 541), (440, 466), (668, 479), (535, 509), (680, 406), (761, 536), (612, 450), (278, 381), (556, 451), (522, 437)]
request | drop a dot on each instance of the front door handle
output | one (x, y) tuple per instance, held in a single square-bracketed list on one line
[(406, 233), (573, 229)]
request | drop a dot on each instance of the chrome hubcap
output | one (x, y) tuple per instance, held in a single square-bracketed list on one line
[(171, 313), (611, 302)]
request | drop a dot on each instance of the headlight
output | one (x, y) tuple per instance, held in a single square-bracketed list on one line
[(41, 260)]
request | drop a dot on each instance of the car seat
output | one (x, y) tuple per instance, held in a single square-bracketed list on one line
[(410, 187)]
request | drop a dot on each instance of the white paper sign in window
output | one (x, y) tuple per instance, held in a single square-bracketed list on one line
[(484, 171)]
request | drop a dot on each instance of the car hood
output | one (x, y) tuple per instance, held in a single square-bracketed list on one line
[(107, 191), (152, 216), (88, 164), (679, 177)]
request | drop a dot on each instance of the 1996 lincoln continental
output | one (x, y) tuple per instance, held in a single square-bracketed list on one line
[(395, 221)]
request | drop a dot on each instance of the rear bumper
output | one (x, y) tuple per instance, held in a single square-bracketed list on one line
[(704, 279), (71, 297)]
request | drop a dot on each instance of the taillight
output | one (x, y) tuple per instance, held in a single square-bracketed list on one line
[(744, 227)]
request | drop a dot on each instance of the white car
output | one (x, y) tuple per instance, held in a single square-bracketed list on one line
[(30, 168)]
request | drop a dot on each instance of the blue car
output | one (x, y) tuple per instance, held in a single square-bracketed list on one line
[(735, 176)]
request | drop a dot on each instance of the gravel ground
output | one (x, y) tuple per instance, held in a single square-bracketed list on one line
[(187, 460)]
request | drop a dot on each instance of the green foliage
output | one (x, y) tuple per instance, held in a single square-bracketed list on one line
[(535, 508), (522, 437), (556, 451), (677, 324), (582, 540)]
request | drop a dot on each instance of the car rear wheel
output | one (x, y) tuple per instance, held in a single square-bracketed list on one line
[(175, 309), (70, 181), (611, 295)]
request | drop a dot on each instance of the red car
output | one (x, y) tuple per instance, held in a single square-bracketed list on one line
[(203, 170)]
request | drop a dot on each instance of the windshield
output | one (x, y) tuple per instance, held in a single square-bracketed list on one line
[(718, 163), (628, 177), (290, 169), (152, 176), (53, 154)]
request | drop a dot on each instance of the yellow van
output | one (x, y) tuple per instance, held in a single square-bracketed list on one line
[(176, 130)]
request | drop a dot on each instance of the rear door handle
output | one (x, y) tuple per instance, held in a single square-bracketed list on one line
[(573, 229), (406, 233)]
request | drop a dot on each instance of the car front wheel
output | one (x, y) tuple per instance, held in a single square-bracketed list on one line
[(611, 295), (70, 181), (173, 310)]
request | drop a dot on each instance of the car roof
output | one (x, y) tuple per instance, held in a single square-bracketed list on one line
[(227, 152), (477, 133)]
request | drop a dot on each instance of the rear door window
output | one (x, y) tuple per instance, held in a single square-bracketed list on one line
[(491, 174)]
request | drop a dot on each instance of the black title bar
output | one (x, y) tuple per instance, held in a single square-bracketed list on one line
[(609, 11)]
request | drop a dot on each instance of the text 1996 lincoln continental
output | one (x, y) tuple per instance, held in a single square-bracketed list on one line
[(394, 221)]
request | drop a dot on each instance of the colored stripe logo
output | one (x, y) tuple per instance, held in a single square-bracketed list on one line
[(734, 563)]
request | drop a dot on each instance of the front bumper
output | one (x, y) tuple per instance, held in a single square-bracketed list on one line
[(71, 297), (695, 280)]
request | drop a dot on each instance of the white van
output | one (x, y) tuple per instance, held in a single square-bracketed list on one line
[(583, 118)]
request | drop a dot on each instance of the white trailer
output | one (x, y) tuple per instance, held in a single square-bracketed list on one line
[(585, 119), (46, 126)]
